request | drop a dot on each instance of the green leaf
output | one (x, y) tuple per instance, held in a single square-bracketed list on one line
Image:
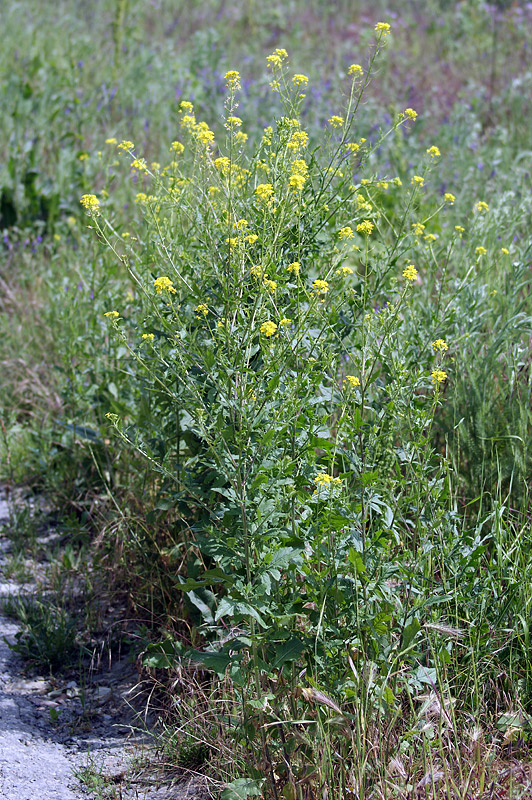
[(218, 662), (287, 651), (202, 606), (409, 633), (242, 788)]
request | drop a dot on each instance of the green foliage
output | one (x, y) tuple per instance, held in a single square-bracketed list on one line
[(333, 539), (48, 635)]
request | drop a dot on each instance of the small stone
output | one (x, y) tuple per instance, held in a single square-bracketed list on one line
[(102, 695)]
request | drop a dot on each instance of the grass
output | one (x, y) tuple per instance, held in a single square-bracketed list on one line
[(326, 548)]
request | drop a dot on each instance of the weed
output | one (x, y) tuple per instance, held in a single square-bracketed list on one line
[(292, 388), (48, 635)]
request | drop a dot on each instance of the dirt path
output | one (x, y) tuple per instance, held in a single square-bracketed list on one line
[(53, 730), (32, 766)]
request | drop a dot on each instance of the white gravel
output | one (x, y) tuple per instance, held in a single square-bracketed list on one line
[(31, 767)]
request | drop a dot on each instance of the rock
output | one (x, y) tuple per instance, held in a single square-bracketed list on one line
[(102, 695)]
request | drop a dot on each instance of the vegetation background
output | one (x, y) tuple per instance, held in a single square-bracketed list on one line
[(273, 371)]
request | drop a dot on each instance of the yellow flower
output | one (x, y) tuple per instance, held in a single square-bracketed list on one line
[(233, 122), (324, 479), (90, 203), (449, 198), (177, 147), (418, 228), (233, 79), (352, 146), (83, 156), (297, 182), (352, 380), (125, 144), (251, 238), (285, 321), (110, 141), (459, 230), (264, 191), (355, 69), (299, 80), (294, 267), (335, 121), (111, 314), (299, 140), (383, 28), (482, 206), (240, 136), (345, 233), (410, 113), (410, 273), (365, 227), (268, 329), (505, 251), (277, 57), (139, 164), (201, 309), (430, 237), (438, 376), (141, 197), (417, 180), (204, 135), (188, 121), (441, 345), (185, 106), (149, 337), (256, 270), (222, 164), (480, 251), (164, 284), (433, 151), (344, 271), (320, 287), (270, 285)]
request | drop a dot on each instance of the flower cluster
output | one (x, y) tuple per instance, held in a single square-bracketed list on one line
[(90, 203), (264, 191), (365, 227), (268, 329), (383, 28), (298, 175), (164, 284), (410, 273), (352, 380), (320, 287), (438, 376), (345, 233), (277, 57), (324, 479), (232, 79)]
